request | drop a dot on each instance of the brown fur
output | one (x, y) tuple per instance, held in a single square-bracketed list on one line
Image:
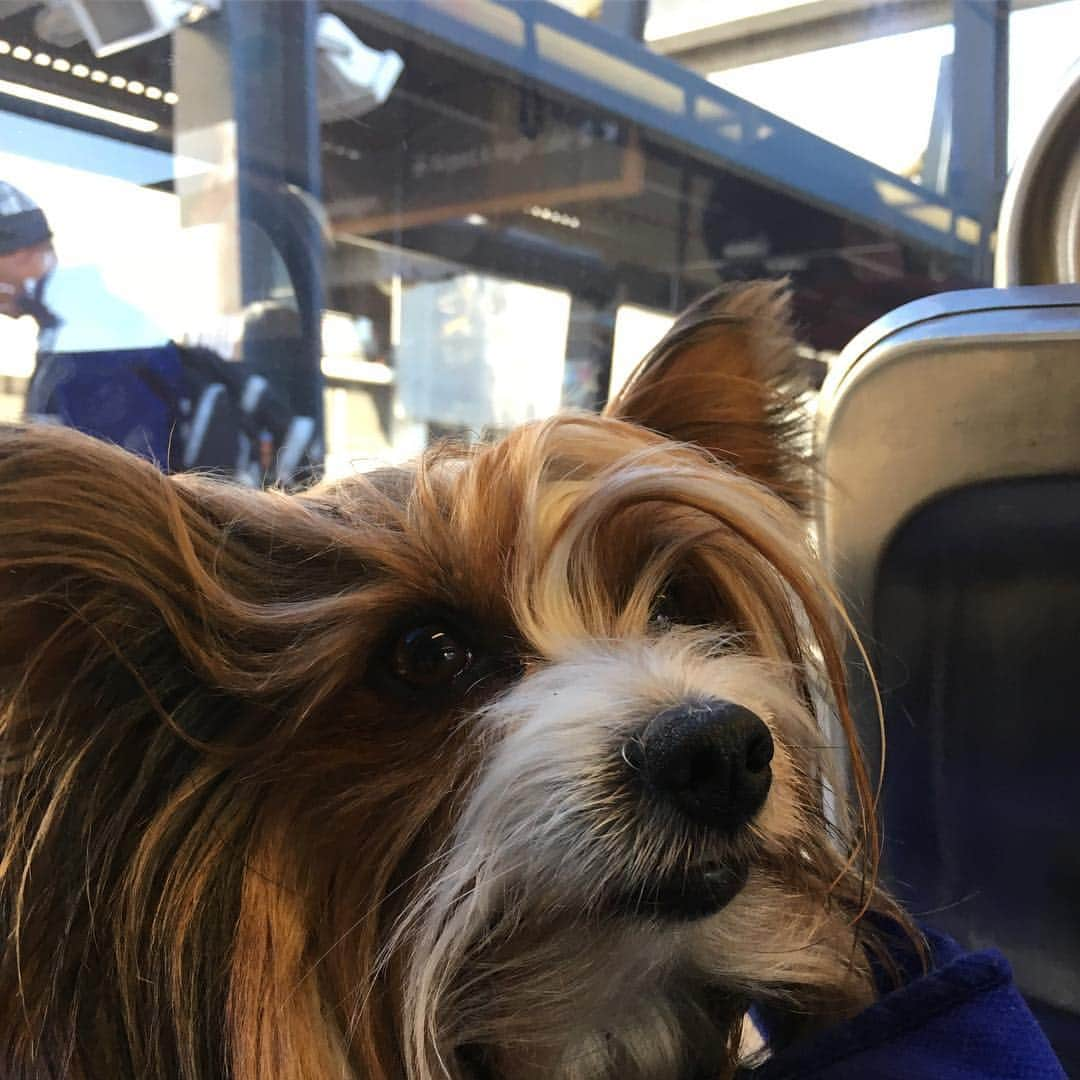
[(220, 834), (731, 386)]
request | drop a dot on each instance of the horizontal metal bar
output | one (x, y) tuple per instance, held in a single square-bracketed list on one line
[(802, 28)]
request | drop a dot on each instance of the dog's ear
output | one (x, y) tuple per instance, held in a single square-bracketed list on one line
[(727, 378)]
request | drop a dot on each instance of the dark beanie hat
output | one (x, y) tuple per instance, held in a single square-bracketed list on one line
[(22, 222)]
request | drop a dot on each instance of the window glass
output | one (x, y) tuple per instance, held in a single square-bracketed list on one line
[(637, 330), (669, 17), (888, 121), (289, 240), (1044, 52)]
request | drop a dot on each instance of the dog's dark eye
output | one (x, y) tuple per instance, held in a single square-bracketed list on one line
[(688, 601), (666, 611), (430, 656)]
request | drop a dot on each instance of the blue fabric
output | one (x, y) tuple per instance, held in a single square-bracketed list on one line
[(128, 397), (964, 1020)]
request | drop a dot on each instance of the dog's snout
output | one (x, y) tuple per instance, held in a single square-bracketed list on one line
[(710, 760)]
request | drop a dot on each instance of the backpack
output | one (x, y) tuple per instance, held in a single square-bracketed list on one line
[(184, 408)]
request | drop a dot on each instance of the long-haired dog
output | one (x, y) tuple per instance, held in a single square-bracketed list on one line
[(510, 763)]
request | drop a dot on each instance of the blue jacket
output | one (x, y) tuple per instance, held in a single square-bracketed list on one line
[(964, 1020)]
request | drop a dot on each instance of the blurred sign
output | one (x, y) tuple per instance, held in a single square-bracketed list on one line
[(429, 179), (479, 352)]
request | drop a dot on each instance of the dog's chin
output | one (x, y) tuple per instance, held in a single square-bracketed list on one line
[(692, 894)]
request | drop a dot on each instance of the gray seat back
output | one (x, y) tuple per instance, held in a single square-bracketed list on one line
[(949, 432)]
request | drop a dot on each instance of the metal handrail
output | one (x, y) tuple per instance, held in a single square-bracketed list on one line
[(1039, 225)]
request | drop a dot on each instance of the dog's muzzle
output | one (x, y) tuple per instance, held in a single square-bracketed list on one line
[(709, 762)]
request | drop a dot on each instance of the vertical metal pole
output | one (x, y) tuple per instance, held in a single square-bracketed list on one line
[(589, 346), (625, 17), (276, 100), (248, 114), (980, 89), (204, 134)]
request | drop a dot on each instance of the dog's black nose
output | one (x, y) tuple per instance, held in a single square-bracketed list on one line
[(709, 759)]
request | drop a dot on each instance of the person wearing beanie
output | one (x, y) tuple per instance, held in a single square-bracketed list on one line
[(26, 257), (74, 308)]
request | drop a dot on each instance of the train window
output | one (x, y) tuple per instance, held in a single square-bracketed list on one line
[(399, 221)]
